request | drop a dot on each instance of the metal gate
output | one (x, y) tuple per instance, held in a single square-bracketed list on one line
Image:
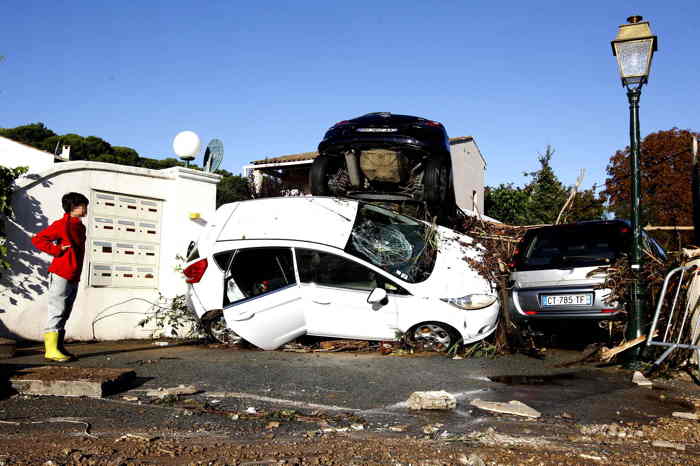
[(674, 335)]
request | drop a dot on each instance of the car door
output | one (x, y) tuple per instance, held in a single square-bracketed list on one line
[(262, 301), (335, 291)]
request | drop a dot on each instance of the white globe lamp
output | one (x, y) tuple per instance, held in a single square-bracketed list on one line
[(186, 145)]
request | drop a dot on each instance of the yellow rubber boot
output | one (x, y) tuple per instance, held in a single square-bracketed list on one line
[(51, 345)]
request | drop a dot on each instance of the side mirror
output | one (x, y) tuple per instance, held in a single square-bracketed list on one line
[(378, 296)]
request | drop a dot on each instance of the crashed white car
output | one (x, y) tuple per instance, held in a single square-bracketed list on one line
[(274, 269)]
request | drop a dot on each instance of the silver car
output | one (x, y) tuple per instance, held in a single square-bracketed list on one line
[(553, 268)]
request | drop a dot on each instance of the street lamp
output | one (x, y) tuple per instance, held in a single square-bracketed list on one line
[(634, 47)]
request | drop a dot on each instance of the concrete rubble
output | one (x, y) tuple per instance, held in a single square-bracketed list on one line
[(431, 400), (665, 444), (689, 416), (174, 391), (69, 381), (640, 380), (512, 407)]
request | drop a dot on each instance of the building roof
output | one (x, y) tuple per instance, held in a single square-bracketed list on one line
[(312, 155)]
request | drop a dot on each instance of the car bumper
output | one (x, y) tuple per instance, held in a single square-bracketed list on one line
[(525, 304), (193, 302), (479, 323), (372, 141)]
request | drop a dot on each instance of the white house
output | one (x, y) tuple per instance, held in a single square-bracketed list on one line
[(14, 154), (139, 220), (468, 165)]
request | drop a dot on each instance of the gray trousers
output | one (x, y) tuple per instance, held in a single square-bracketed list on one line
[(62, 295)]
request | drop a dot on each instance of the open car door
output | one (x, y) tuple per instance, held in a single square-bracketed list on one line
[(262, 302)]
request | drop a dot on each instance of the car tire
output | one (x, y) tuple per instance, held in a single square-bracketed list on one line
[(433, 336), (321, 169), (438, 190), (215, 328)]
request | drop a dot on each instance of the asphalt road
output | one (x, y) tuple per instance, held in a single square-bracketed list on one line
[(371, 385)]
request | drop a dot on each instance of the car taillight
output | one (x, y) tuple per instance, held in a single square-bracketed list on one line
[(193, 272), (608, 311), (530, 313), (432, 123), (340, 123)]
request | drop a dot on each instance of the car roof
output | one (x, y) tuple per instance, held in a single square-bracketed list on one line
[(582, 224), (323, 220)]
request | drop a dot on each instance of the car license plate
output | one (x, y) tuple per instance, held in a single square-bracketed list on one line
[(583, 299), (376, 130)]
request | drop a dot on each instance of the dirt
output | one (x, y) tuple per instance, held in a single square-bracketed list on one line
[(623, 444), (55, 373)]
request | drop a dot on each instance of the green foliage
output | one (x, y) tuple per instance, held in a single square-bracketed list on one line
[(231, 188), (33, 134), (506, 203), (7, 180), (541, 199), (175, 316), (546, 194)]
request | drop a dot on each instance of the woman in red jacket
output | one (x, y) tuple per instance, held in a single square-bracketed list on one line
[(64, 239)]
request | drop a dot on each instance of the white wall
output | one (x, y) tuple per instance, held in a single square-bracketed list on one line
[(468, 167), (99, 313), (14, 154)]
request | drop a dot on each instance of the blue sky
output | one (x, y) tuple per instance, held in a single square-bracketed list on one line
[(269, 77)]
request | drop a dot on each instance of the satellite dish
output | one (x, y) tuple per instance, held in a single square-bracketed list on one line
[(186, 145), (213, 155)]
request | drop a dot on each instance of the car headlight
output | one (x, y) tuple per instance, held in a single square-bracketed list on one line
[(472, 301)]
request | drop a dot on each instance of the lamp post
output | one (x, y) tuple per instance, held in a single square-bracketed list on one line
[(634, 47)]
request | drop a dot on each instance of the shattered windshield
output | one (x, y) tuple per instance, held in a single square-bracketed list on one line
[(400, 245)]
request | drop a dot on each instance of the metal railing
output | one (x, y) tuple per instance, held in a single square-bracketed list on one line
[(672, 331)]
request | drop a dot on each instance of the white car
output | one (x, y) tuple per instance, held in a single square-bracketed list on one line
[(274, 269)]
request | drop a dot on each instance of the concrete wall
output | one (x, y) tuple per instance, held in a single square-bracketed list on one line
[(99, 313), (469, 168), (14, 154)]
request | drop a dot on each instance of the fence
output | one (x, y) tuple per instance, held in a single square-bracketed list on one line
[(681, 332)]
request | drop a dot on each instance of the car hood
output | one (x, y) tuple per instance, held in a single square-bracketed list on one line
[(453, 276)]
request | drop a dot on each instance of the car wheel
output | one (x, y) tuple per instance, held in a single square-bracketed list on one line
[(216, 330), (322, 169), (438, 192), (433, 336)]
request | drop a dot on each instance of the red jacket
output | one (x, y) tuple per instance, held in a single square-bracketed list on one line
[(67, 231)]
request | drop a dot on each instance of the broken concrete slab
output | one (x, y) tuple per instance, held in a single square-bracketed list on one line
[(7, 348), (512, 407), (665, 444), (689, 416), (640, 380), (69, 381), (432, 400), (161, 392)]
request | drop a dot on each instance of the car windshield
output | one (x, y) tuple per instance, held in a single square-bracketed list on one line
[(572, 246), (400, 245)]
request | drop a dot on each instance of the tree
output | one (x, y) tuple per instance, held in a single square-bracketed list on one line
[(7, 181), (33, 134), (541, 200), (546, 194), (506, 203), (231, 188), (665, 165)]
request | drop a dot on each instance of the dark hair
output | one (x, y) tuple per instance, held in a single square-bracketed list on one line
[(72, 200)]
